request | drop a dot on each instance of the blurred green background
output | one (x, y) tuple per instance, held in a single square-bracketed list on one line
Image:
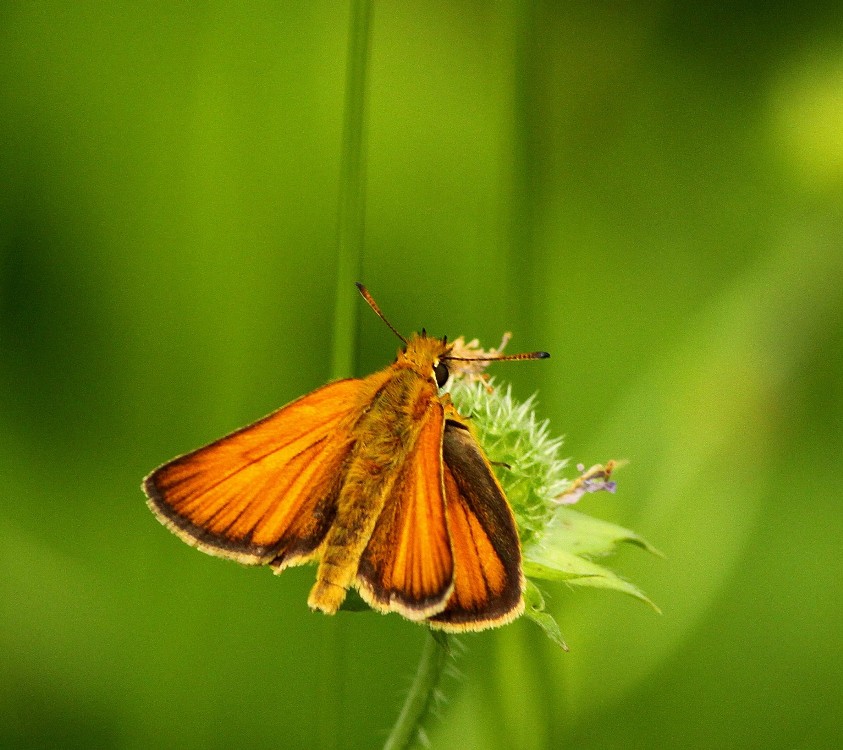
[(653, 192)]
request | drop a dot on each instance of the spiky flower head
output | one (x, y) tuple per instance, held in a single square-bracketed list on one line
[(558, 542)]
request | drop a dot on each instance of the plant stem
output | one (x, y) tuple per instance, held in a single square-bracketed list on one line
[(350, 217), (421, 696), (351, 210)]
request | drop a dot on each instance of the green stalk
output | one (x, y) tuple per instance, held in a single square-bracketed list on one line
[(350, 215), (351, 212), (420, 699)]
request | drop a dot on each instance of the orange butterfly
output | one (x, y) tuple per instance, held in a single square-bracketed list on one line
[(380, 480)]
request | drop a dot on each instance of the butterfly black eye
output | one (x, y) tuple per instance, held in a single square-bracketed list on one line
[(440, 370)]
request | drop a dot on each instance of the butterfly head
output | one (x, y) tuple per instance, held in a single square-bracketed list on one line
[(426, 355)]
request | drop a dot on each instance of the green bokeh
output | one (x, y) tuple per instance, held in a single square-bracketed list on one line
[(651, 192)]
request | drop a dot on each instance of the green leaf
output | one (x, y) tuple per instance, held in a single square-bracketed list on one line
[(559, 565), (534, 609), (575, 532)]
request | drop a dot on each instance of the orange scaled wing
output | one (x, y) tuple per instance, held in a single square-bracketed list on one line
[(488, 581), (267, 492), (407, 566)]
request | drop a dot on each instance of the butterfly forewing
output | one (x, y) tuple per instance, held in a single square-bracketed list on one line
[(488, 581), (265, 493), (408, 565)]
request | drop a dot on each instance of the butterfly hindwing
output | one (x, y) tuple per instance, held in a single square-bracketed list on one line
[(265, 493), (408, 565), (488, 581)]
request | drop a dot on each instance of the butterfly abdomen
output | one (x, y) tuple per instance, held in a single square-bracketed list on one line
[(385, 435)]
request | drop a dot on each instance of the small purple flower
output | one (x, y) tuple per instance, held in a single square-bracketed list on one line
[(596, 479)]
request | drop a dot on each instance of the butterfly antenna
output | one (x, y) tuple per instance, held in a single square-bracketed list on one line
[(374, 305), (502, 358)]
